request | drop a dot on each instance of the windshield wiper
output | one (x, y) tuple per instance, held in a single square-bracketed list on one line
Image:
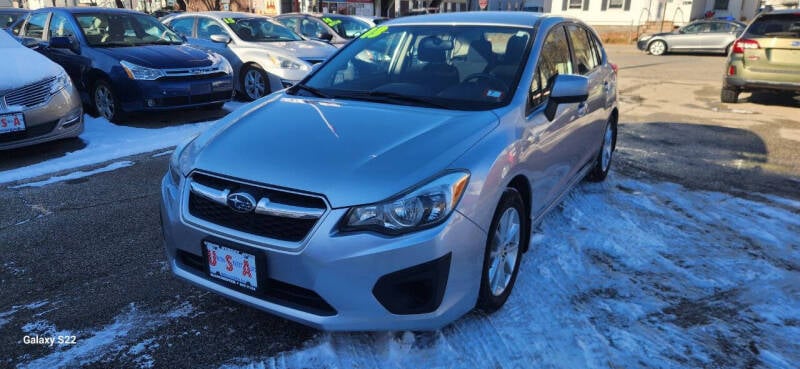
[(310, 89), (393, 96)]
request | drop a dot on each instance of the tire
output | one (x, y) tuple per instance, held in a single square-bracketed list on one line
[(496, 284), (254, 82), (606, 154), (657, 48), (729, 95), (105, 102)]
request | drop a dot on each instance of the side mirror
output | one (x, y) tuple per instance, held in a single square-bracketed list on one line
[(223, 39), (63, 43), (325, 36), (567, 89), (29, 42)]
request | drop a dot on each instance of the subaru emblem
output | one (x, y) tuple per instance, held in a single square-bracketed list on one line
[(241, 202)]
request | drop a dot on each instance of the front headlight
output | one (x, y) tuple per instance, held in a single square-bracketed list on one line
[(421, 208), (286, 63), (181, 160), (62, 81), (645, 37), (221, 63), (141, 73)]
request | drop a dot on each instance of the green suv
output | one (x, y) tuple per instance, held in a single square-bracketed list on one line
[(766, 57)]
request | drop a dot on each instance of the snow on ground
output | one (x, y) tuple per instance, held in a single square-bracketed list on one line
[(79, 174), (624, 274), (91, 346), (106, 141)]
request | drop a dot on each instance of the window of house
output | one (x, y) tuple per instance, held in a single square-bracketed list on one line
[(721, 4), (615, 4), (554, 59), (575, 4)]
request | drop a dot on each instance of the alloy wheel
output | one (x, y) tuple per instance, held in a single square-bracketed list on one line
[(254, 84), (104, 101), (503, 255), (608, 147)]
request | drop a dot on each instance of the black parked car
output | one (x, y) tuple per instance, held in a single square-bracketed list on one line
[(124, 61)]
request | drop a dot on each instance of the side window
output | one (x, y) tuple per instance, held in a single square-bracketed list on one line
[(35, 26), (719, 27), (553, 60), (209, 27), (692, 28), (310, 28), (597, 47), (60, 26), (183, 26), (289, 22), (585, 57)]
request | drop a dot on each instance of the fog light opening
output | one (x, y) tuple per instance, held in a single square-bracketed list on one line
[(151, 103)]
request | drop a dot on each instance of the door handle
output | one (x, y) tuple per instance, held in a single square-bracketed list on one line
[(606, 87)]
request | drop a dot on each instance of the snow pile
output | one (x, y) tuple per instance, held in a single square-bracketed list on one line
[(624, 274), (76, 175)]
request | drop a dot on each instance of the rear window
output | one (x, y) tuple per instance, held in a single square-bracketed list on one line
[(776, 25)]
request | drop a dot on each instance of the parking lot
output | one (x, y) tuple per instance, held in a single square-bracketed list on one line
[(686, 257)]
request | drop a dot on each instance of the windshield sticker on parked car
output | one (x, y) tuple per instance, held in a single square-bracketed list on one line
[(375, 32), (229, 20), (494, 94), (331, 22)]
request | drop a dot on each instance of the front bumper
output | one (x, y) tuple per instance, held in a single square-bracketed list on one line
[(61, 117), (172, 94), (343, 270), (642, 44)]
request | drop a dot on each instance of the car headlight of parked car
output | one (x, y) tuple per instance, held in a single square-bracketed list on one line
[(62, 81), (181, 160), (219, 62), (139, 72), (286, 63), (645, 37), (426, 206)]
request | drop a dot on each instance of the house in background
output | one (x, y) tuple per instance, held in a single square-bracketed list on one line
[(619, 20)]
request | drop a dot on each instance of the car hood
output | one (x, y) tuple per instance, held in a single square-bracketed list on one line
[(24, 66), (352, 152), (299, 49), (160, 56)]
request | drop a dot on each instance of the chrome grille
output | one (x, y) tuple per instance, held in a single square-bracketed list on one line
[(278, 215), (34, 94)]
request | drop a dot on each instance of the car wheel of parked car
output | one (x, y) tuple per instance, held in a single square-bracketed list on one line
[(729, 95), (105, 103), (657, 48), (255, 82), (503, 251), (601, 168)]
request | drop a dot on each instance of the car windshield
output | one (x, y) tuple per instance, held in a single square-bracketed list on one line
[(347, 27), (443, 66), (776, 25), (125, 29), (7, 19), (261, 30)]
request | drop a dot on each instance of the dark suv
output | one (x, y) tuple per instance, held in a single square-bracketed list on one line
[(766, 57), (124, 61)]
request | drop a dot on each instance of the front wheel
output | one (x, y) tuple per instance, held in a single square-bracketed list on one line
[(603, 163), (503, 254), (105, 102), (657, 48), (255, 83)]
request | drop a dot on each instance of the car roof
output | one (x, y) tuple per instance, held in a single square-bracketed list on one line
[(522, 19), (782, 11), (222, 14), (90, 9), (14, 10)]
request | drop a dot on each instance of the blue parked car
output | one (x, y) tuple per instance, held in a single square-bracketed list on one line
[(124, 61)]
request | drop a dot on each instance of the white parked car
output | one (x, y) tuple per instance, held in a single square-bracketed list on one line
[(266, 56)]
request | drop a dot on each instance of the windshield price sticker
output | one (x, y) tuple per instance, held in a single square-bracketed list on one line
[(375, 32)]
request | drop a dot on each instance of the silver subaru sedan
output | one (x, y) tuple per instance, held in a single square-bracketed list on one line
[(396, 186)]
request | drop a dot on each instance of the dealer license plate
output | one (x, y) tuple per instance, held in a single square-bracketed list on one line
[(232, 266), (12, 123)]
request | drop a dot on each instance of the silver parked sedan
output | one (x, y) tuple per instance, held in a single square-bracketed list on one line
[(266, 56), (38, 102), (396, 186), (703, 36)]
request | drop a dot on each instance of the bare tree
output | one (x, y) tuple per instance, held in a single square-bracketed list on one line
[(211, 4), (182, 5), (119, 3)]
